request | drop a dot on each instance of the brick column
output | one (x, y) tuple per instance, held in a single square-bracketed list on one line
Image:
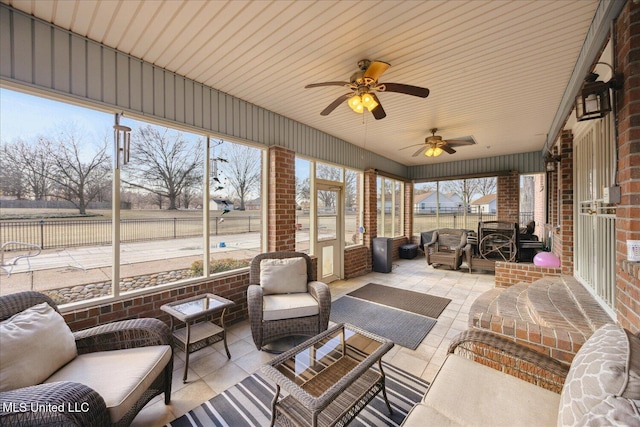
[(282, 200), (563, 238), (508, 206), (627, 52), (370, 208), (408, 210)]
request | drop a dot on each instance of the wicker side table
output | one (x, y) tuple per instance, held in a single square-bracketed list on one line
[(329, 378), (199, 331)]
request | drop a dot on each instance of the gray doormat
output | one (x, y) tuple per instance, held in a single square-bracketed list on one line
[(415, 302), (401, 327), (248, 403)]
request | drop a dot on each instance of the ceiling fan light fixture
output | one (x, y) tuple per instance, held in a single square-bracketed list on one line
[(355, 102), (433, 151), (369, 101)]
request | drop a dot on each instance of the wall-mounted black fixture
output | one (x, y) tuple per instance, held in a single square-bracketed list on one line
[(550, 161), (594, 99)]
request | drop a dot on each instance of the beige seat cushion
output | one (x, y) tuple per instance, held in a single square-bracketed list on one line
[(467, 393), (119, 376), (287, 306), (34, 344)]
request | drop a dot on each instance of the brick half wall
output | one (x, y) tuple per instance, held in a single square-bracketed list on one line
[(511, 273)]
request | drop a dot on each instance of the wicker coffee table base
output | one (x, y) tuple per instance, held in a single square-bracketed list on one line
[(343, 409)]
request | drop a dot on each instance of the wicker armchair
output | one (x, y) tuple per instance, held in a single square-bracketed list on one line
[(84, 405), (266, 331), (446, 247)]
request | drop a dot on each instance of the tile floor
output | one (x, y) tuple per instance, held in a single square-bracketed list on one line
[(210, 372)]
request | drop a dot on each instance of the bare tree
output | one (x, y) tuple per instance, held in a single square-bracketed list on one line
[(242, 170), (78, 175), (463, 188), (486, 186), (423, 188), (303, 190), (25, 167), (12, 182), (164, 163)]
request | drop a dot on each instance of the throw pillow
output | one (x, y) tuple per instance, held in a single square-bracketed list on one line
[(33, 345), (598, 370), (613, 411), (283, 276)]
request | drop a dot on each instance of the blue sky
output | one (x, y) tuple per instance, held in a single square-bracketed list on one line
[(26, 116)]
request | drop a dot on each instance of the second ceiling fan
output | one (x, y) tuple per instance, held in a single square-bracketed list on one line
[(363, 86), (434, 145)]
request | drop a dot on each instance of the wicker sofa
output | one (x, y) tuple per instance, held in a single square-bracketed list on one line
[(526, 388), (95, 377)]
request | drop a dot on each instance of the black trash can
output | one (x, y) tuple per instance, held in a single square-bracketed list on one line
[(382, 254)]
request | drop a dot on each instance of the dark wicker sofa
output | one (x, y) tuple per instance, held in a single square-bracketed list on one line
[(76, 403)]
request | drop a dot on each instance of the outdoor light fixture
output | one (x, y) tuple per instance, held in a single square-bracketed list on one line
[(550, 161), (594, 100), (359, 102)]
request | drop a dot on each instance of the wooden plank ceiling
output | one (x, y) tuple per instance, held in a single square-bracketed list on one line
[(496, 69)]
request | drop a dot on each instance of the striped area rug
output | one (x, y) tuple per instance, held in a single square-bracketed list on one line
[(249, 403)]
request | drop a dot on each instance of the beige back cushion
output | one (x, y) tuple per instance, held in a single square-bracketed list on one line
[(33, 345), (602, 380), (283, 276)]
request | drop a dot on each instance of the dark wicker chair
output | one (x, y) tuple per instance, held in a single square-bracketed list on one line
[(263, 331), (113, 336), (446, 247)]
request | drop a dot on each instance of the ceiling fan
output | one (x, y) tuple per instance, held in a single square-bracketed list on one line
[(434, 145), (364, 85)]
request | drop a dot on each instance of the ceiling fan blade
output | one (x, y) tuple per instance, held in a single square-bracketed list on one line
[(420, 151), (459, 142), (327, 84), (422, 92), (410, 146), (335, 103), (378, 112), (448, 149), (375, 70)]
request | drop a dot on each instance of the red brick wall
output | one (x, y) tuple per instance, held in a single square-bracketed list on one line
[(508, 204), (563, 238), (397, 242), (370, 208), (408, 209), (282, 200), (511, 273), (357, 261), (628, 211), (233, 287), (557, 343)]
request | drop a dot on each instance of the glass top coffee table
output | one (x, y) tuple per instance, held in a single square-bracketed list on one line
[(329, 378), (199, 331)]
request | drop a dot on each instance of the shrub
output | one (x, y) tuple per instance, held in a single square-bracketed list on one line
[(219, 265)]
